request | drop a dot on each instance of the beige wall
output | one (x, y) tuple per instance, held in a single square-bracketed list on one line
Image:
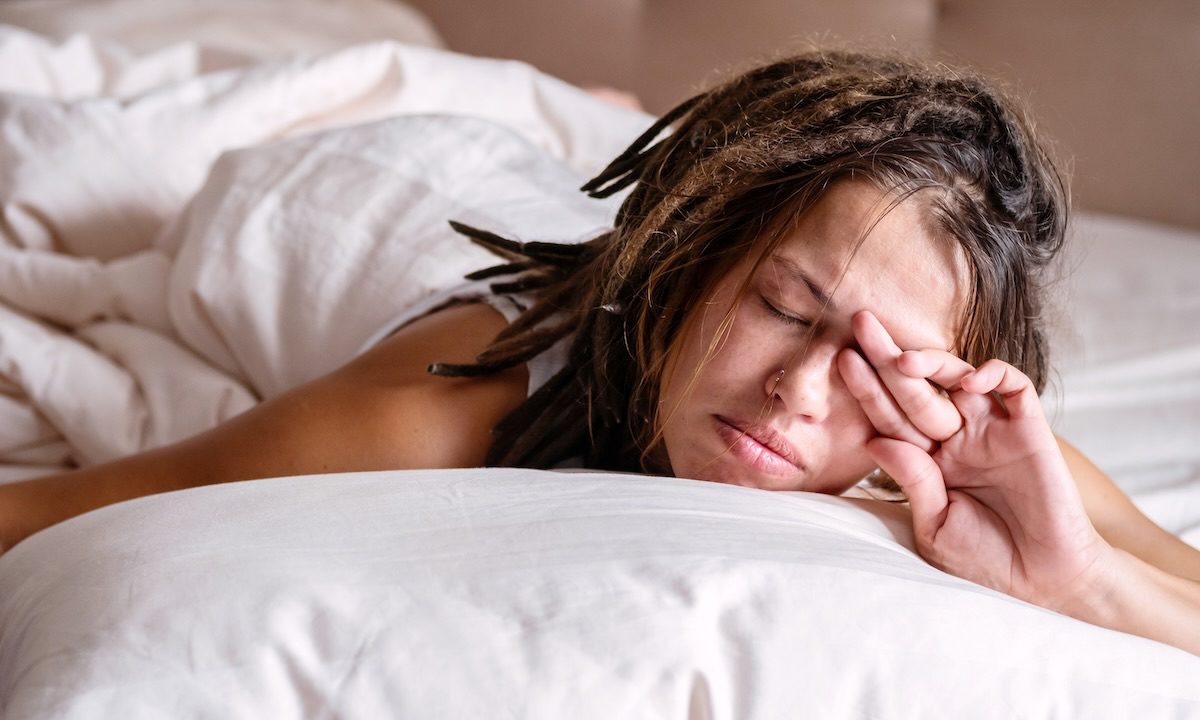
[(1113, 81)]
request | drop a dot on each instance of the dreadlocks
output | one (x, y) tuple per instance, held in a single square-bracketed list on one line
[(743, 159)]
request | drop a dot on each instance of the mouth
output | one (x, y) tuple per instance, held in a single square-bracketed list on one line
[(759, 446)]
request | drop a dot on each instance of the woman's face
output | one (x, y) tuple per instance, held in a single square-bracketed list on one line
[(739, 423)]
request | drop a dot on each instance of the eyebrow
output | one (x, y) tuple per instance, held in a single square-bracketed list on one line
[(797, 274)]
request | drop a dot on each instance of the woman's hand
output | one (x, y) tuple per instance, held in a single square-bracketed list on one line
[(993, 500), (991, 496)]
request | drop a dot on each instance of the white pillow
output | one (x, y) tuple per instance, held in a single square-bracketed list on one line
[(516, 593)]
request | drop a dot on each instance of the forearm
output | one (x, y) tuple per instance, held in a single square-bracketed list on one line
[(1122, 525), (293, 434), (254, 444), (1133, 596), (31, 505)]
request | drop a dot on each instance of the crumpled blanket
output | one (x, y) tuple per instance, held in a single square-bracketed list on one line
[(169, 257)]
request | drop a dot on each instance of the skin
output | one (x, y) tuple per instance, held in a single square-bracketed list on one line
[(994, 497), (994, 500), (380, 411), (715, 424), (807, 377)]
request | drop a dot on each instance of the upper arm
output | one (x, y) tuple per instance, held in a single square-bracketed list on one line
[(382, 410)]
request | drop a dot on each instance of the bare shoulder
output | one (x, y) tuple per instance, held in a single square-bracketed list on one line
[(436, 421), (455, 334), (380, 411)]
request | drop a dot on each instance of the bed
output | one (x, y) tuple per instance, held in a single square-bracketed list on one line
[(190, 226)]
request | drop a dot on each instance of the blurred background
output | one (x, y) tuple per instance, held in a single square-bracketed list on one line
[(1113, 83)]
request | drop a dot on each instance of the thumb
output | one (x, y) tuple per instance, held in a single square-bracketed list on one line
[(921, 480)]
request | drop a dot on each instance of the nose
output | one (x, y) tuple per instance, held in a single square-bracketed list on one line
[(805, 385)]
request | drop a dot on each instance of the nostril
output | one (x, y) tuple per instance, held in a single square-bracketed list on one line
[(805, 391)]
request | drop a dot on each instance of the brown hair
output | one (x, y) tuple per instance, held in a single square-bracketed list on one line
[(761, 148)]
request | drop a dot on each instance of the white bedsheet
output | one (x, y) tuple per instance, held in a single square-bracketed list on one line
[(525, 594), (1127, 352)]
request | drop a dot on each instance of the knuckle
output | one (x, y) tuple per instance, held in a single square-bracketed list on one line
[(891, 428), (921, 403), (934, 415), (875, 397)]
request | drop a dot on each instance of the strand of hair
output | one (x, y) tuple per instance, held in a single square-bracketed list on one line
[(511, 268), (509, 249)]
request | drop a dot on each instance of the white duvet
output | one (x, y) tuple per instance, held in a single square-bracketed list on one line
[(170, 257), (141, 305)]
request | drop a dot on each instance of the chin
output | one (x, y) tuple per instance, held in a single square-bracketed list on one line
[(746, 478), (731, 474)]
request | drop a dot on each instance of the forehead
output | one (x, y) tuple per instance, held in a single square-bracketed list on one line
[(868, 250)]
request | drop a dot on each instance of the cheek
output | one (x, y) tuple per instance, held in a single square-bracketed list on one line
[(849, 424), (738, 361), (849, 430)]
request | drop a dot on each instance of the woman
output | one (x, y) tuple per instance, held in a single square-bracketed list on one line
[(832, 264)]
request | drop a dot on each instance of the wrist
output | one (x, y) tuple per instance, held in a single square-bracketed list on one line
[(1101, 595), (1129, 595)]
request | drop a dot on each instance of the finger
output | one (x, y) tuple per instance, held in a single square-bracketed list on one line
[(920, 479), (947, 370), (944, 369), (928, 410), (877, 403), (1014, 386), (973, 407)]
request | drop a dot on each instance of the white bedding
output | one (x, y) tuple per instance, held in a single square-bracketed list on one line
[(140, 303), (523, 594), (1127, 352), (83, 48), (105, 266)]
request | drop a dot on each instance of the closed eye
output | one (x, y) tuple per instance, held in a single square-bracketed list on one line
[(783, 317)]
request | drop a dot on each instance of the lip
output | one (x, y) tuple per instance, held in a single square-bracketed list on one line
[(759, 446)]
